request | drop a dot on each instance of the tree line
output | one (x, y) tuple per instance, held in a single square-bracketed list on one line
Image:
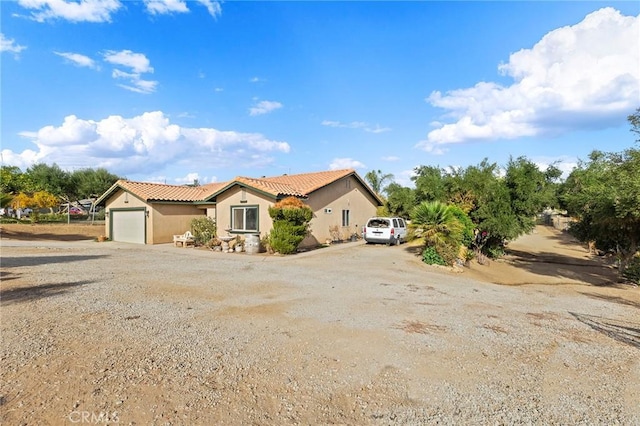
[(45, 186), (602, 195)]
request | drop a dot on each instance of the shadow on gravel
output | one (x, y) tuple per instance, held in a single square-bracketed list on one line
[(594, 272), (622, 331), (613, 299), (35, 292), (14, 262)]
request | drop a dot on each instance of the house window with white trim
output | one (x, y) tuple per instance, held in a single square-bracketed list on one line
[(244, 218), (345, 217)]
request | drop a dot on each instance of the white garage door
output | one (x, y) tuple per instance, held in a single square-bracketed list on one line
[(128, 226)]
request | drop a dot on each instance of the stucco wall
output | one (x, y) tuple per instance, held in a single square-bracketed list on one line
[(345, 194), (163, 221), (236, 197), (167, 220)]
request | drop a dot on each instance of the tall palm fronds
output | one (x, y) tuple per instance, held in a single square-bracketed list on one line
[(440, 228)]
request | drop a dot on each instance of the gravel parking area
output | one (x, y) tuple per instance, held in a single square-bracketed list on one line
[(352, 334)]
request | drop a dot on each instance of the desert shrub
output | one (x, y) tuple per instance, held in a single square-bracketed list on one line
[(285, 237), (53, 218), (632, 271), (495, 251), (431, 257), (291, 219), (203, 229), (467, 225), (437, 224)]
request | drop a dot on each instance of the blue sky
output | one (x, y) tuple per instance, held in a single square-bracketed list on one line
[(172, 91)]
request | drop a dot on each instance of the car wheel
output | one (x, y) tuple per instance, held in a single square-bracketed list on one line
[(398, 241)]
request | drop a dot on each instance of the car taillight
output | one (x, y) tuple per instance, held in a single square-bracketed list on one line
[(392, 231)]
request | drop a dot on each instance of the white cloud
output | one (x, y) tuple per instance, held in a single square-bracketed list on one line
[(403, 178), (138, 63), (74, 11), (264, 107), (257, 80), (391, 158), (144, 144), (345, 163), (161, 7), (585, 75), (78, 59), (218, 89), (356, 125), (9, 45), (188, 179), (212, 6)]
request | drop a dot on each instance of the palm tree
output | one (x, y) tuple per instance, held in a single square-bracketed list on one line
[(376, 179), (440, 228)]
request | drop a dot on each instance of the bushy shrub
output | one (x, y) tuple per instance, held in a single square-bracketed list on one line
[(203, 229), (285, 237), (467, 225), (495, 251), (291, 219), (632, 271), (430, 256)]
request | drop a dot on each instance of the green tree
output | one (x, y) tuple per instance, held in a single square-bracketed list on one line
[(430, 184), (400, 200), (42, 177), (91, 183), (604, 195), (526, 184), (634, 121), (377, 179), (10, 180)]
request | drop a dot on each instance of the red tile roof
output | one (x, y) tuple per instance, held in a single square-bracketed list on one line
[(299, 185), (162, 192), (306, 183)]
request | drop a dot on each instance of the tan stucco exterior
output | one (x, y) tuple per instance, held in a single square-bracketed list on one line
[(163, 220), (237, 196), (344, 194)]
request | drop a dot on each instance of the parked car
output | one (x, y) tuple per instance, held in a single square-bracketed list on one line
[(75, 210), (385, 230)]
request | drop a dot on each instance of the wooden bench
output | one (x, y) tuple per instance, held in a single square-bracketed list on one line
[(184, 239)]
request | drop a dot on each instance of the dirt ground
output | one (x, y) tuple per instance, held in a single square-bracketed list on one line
[(546, 256), (354, 335), (52, 232)]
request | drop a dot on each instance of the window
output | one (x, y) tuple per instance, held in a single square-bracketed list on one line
[(244, 219), (345, 217)]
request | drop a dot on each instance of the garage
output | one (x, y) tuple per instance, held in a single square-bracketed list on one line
[(128, 226)]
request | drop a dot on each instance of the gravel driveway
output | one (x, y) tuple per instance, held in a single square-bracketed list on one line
[(352, 334)]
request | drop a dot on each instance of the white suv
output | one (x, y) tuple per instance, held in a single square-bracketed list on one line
[(386, 230)]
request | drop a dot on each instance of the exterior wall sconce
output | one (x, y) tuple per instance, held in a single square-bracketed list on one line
[(106, 214)]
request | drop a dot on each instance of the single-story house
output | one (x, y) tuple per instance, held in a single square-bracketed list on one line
[(151, 213)]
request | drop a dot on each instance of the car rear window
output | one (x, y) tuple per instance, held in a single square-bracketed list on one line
[(378, 223)]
